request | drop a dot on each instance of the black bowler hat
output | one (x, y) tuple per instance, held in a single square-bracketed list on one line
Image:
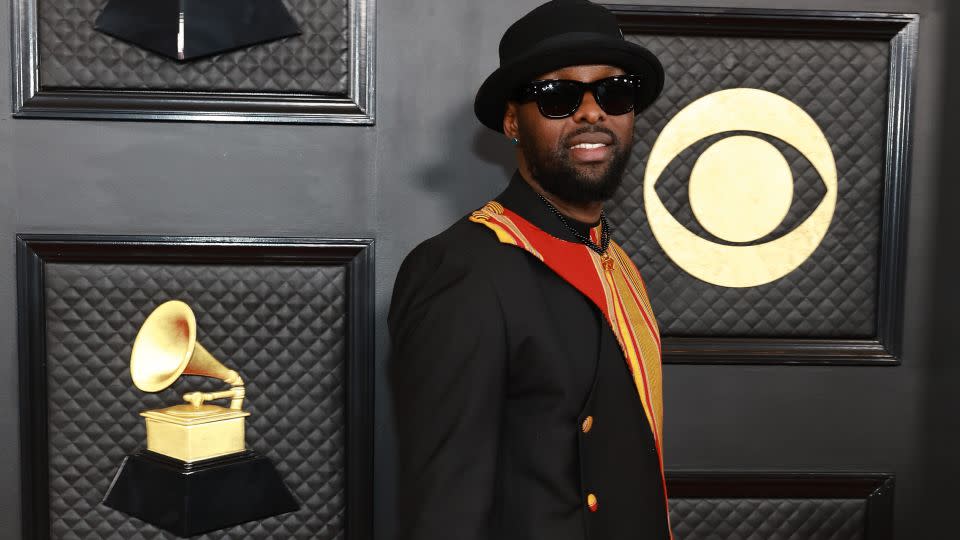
[(558, 34)]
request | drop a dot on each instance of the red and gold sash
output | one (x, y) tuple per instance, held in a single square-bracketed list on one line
[(610, 281)]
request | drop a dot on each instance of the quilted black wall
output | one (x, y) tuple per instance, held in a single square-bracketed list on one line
[(426, 163), (74, 55), (282, 327), (826, 519)]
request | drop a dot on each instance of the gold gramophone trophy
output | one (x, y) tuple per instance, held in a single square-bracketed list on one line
[(196, 474)]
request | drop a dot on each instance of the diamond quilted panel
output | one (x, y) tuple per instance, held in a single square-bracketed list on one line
[(843, 86), (768, 519), (281, 327), (74, 55)]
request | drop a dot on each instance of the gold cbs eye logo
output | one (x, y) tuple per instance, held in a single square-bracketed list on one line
[(741, 187)]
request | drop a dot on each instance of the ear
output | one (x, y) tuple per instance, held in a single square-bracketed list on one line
[(511, 126)]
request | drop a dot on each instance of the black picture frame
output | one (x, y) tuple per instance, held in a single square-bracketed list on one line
[(358, 107), (876, 489), (901, 30), (35, 251)]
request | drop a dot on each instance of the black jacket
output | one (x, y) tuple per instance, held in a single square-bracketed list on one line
[(497, 363)]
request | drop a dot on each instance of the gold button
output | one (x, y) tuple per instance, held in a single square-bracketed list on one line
[(592, 502), (587, 424)]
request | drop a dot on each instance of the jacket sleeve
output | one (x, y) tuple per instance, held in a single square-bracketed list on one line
[(447, 375)]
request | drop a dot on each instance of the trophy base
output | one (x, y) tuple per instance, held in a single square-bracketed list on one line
[(192, 498)]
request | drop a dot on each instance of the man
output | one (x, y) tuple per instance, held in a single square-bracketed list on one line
[(526, 358)]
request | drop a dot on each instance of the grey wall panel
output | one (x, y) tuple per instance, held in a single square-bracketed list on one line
[(426, 162), (940, 432), (194, 178), (9, 426)]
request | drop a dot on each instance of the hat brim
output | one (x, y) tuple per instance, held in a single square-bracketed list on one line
[(491, 101)]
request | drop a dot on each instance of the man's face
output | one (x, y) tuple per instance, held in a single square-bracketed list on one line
[(562, 154)]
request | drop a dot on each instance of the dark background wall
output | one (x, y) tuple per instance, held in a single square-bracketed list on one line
[(940, 441), (427, 162)]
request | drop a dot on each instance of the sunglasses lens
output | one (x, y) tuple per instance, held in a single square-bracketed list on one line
[(558, 99), (616, 95)]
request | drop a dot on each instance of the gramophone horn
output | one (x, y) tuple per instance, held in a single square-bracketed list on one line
[(166, 347)]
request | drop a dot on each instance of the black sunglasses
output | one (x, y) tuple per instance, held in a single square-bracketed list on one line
[(560, 98)]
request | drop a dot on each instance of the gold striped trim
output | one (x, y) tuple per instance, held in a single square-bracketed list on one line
[(507, 231), (634, 279)]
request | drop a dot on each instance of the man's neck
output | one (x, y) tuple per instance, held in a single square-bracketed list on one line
[(583, 212)]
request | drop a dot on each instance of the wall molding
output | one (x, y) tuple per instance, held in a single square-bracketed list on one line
[(358, 107), (34, 252), (901, 31), (876, 489)]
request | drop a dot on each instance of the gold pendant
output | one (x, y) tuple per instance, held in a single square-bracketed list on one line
[(607, 262)]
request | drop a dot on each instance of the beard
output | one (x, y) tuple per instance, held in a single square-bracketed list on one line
[(556, 173)]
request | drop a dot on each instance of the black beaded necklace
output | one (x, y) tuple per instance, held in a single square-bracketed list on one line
[(604, 229)]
